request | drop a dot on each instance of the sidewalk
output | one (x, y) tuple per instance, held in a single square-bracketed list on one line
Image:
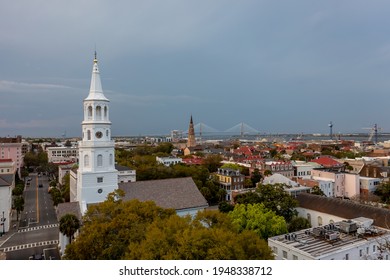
[(14, 227)]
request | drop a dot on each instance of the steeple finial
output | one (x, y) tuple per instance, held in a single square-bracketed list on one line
[(95, 60)]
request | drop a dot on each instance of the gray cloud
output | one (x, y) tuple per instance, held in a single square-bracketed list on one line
[(280, 66)]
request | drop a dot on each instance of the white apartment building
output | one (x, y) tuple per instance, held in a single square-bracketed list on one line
[(302, 169), (168, 161), (355, 239), (62, 154), (125, 174), (291, 187), (369, 185), (344, 184), (7, 184)]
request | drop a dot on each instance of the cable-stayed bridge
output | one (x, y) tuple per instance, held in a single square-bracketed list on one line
[(239, 129)]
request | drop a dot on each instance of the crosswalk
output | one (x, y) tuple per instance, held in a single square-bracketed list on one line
[(30, 245), (38, 227)]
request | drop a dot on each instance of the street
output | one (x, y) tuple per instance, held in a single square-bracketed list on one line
[(36, 234)]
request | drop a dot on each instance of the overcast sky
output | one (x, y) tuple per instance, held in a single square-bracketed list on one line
[(279, 66)]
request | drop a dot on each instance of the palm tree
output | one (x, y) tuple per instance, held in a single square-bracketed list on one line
[(69, 224)]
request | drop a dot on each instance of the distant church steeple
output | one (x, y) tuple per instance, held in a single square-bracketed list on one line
[(191, 135)]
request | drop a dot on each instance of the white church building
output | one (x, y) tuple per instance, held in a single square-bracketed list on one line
[(96, 174)]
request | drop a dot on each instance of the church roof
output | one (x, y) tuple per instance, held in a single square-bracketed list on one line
[(177, 193), (68, 208), (344, 208), (96, 90)]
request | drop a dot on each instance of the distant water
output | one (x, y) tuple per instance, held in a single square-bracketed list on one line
[(296, 137)]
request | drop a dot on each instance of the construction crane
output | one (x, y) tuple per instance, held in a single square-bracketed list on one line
[(331, 130), (373, 133)]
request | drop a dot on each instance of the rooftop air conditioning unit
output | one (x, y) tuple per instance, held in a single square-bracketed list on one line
[(348, 226)]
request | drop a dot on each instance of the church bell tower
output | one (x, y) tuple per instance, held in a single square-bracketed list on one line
[(96, 175)]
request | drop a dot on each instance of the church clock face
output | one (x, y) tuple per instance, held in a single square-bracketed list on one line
[(99, 134)]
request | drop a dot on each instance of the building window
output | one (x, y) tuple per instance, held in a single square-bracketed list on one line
[(100, 179), (319, 221), (98, 112), (111, 159), (275, 249), (373, 248), (360, 252), (89, 112), (86, 161), (105, 112), (88, 135), (295, 257), (284, 255), (309, 217), (347, 256), (100, 160)]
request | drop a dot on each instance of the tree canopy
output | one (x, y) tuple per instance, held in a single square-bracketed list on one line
[(117, 229), (274, 198), (258, 218)]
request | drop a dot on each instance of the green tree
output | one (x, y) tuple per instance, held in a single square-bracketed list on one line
[(258, 218), (383, 191), (111, 226), (164, 148), (117, 229), (274, 198), (18, 205), (255, 177), (56, 196), (298, 223), (317, 191), (69, 225), (225, 207), (209, 237), (212, 162)]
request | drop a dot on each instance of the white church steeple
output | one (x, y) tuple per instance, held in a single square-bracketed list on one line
[(96, 176), (96, 90)]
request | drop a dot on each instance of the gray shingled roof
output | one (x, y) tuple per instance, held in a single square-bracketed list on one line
[(344, 208), (6, 180), (122, 168), (68, 208), (177, 193)]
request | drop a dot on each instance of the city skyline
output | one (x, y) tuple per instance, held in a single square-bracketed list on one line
[(278, 67)]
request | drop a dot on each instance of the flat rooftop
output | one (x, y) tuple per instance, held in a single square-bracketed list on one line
[(329, 239)]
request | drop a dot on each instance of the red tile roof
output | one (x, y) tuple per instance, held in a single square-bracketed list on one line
[(6, 160), (327, 161)]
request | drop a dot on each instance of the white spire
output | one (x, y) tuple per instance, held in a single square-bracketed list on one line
[(96, 90)]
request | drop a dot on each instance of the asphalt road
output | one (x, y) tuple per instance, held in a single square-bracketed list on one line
[(37, 232)]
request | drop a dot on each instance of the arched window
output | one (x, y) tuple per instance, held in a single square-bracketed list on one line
[(309, 217), (86, 160), (100, 160), (331, 222), (319, 221), (88, 135), (105, 112), (98, 112), (90, 112), (111, 159)]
